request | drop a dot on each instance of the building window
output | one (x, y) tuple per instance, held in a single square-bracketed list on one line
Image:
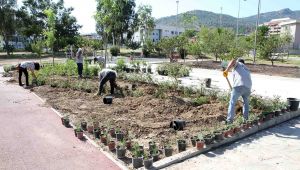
[(172, 32), (153, 40)]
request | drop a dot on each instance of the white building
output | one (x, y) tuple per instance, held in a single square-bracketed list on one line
[(158, 33), (274, 25), (286, 25), (293, 28)]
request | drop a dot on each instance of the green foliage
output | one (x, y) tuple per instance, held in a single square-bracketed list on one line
[(8, 68), (201, 100), (136, 151), (7, 25), (115, 51), (50, 31), (145, 21), (116, 18), (174, 70), (216, 41), (37, 47), (121, 65), (137, 93)]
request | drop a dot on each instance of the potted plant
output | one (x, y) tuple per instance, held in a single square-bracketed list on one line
[(119, 134), (130, 136), (97, 133), (151, 145), (137, 160), (208, 139), (218, 135), (83, 125), (200, 142), (228, 131), (79, 133), (111, 145), (168, 150), (112, 132), (149, 70), (103, 137), (181, 144), (148, 161), (65, 121), (121, 150), (96, 124), (193, 140), (154, 153), (144, 69), (90, 128)]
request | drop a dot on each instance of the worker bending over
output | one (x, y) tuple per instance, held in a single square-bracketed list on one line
[(107, 75), (241, 87), (26, 66)]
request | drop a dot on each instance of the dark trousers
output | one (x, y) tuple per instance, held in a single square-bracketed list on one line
[(21, 71), (79, 69), (111, 77)]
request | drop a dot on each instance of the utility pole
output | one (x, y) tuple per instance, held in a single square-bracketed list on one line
[(238, 18), (221, 16), (177, 2), (257, 23)]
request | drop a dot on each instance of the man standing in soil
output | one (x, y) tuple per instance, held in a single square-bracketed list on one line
[(107, 75), (24, 67), (242, 84), (79, 62)]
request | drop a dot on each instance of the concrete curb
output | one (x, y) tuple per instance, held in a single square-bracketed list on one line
[(91, 141), (180, 157)]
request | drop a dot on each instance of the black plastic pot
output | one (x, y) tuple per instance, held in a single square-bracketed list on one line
[(120, 152), (119, 136), (208, 139), (177, 124), (107, 100), (168, 151), (148, 163), (277, 113), (97, 133), (152, 145), (155, 156), (193, 140), (67, 122), (127, 70), (207, 82), (294, 105), (218, 136), (181, 144), (137, 162), (83, 125), (149, 71)]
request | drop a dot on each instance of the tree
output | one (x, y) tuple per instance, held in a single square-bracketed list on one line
[(145, 21), (115, 18), (195, 48), (217, 41), (33, 21), (7, 24), (50, 31), (272, 44), (37, 48)]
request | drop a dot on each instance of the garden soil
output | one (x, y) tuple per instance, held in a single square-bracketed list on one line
[(145, 117)]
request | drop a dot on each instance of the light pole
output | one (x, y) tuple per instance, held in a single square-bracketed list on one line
[(238, 17), (221, 17), (257, 23), (177, 2)]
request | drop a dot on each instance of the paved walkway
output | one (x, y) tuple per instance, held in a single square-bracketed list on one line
[(32, 136), (276, 148)]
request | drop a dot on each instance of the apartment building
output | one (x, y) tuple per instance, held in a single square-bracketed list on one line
[(286, 25), (158, 33)]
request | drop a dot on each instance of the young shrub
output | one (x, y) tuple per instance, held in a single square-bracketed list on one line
[(201, 100), (114, 51), (121, 65)]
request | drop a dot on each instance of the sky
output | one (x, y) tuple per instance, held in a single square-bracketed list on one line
[(85, 9)]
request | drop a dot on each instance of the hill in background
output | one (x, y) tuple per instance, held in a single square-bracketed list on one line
[(211, 19)]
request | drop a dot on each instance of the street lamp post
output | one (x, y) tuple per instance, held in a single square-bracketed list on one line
[(257, 23), (221, 17), (177, 2), (238, 17)]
